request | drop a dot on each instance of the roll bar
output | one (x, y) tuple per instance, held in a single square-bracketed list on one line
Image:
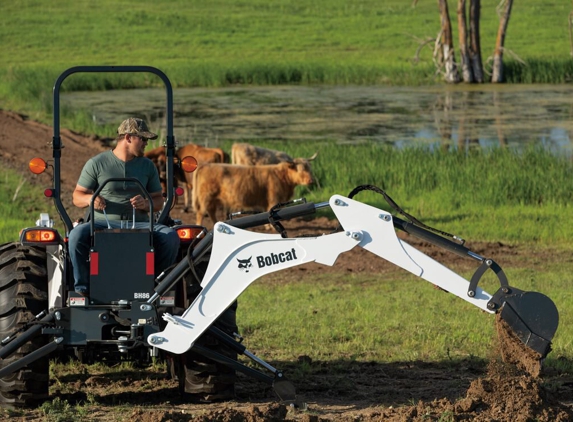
[(57, 142)]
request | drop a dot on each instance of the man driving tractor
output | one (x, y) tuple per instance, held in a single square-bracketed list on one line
[(120, 203)]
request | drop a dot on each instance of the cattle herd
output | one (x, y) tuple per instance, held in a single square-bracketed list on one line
[(250, 179)]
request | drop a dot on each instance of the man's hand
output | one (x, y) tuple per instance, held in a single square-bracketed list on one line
[(99, 203), (139, 202)]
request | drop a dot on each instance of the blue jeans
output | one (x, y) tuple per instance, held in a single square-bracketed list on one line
[(165, 244)]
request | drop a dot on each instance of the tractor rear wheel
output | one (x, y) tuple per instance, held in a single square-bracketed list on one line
[(23, 295), (202, 379)]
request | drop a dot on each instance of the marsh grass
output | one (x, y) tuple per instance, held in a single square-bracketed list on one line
[(517, 195), (258, 42), (497, 194)]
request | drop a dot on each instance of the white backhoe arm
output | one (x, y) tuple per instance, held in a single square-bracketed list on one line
[(239, 257)]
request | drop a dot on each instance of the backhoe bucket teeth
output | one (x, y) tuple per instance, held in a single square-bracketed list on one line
[(532, 316)]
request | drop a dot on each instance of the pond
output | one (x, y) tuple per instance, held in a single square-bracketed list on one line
[(461, 115)]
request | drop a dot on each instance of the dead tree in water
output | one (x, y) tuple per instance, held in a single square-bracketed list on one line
[(497, 69), (472, 68), (467, 72), (446, 44), (475, 47)]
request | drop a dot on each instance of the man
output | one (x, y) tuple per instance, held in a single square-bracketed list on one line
[(118, 200)]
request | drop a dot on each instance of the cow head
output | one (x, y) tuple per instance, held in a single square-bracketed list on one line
[(301, 173)]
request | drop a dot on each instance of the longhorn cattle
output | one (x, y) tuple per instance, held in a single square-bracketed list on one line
[(241, 188), (250, 155)]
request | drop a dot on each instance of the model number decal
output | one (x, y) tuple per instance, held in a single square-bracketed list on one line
[(141, 295)]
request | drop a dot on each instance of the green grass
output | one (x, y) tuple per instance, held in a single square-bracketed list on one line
[(491, 195), (257, 42), (21, 203), (388, 317), (494, 195)]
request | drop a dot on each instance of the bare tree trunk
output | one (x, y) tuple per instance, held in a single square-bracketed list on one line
[(447, 44), (475, 48), (467, 74), (497, 71)]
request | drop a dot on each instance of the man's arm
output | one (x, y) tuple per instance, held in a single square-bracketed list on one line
[(82, 197)]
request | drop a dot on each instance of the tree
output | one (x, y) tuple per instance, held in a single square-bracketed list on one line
[(497, 70), (467, 70), (446, 45), (475, 46), (470, 48)]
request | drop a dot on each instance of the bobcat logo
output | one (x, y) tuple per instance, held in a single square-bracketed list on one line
[(245, 264)]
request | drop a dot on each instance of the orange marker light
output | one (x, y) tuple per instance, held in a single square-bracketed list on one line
[(189, 164), (37, 165), (188, 233), (42, 236)]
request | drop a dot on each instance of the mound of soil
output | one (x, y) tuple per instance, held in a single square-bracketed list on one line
[(514, 390)]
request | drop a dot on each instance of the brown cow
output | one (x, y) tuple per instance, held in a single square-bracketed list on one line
[(203, 155), (241, 188), (250, 155), (159, 158)]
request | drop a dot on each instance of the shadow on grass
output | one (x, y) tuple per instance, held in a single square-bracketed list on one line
[(386, 384)]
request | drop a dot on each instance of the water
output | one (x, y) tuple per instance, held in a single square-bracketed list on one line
[(487, 115)]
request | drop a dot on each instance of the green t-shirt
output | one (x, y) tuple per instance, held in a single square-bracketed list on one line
[(105, 166)]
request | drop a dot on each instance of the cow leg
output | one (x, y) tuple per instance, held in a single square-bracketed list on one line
[(212, 211), (186, 196)]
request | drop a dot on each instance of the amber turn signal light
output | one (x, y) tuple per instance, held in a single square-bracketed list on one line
[(189, 164), (188, 233), (37, 165), (39, 235)]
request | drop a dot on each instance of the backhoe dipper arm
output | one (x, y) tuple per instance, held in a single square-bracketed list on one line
[(239, 257)]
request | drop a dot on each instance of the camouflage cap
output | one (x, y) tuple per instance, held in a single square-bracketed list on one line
[(137, 127)]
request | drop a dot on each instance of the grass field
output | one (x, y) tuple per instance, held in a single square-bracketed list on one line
[(258, 42)]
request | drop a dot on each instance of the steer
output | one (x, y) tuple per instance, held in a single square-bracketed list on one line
[(203, 155), (250, 155), (241, 188)]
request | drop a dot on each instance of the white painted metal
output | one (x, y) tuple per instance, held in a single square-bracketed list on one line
[(239, 257)]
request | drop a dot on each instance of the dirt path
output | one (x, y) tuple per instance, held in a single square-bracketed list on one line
[(341, 391)]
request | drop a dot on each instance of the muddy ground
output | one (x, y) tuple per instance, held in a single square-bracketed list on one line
[(467, 389)]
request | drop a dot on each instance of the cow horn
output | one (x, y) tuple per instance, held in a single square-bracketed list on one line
[(313, 157)]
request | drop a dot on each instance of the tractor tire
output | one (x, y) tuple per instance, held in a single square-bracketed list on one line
[(204, 380), (200, 378), (23, 295)]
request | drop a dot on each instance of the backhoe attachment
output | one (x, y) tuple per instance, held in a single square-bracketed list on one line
[(239, 257)]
